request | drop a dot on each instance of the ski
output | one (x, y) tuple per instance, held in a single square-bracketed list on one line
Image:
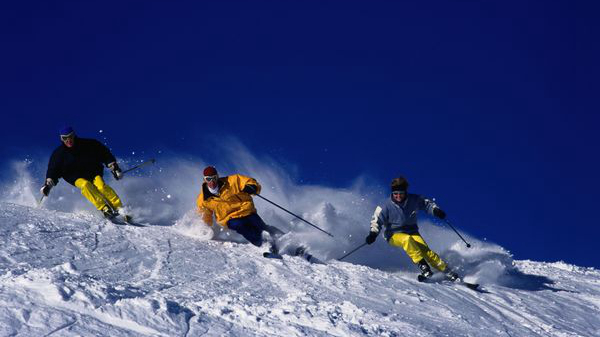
[(301, 252), (125, 220), (270, 255), (472, 286), (129, 220)]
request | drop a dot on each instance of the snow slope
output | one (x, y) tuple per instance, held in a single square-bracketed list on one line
[(75, 274)]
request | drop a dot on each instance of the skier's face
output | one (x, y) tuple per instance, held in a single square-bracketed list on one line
[(399, 196), (68, 140), (211, 181)]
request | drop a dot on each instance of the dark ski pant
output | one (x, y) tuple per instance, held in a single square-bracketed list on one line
[(251, 228)]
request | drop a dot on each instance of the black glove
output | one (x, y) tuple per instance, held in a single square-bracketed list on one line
[(46, 189), (47, 186), (115, 170), (250, 189), (371, 238), (439, 213)]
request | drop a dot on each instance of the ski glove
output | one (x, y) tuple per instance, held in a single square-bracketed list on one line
[(115, 170), (371, 238), (439, 213), (250, 189), (47, 186)]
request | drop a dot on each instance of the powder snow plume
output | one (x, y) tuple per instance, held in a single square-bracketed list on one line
[(165, 194)]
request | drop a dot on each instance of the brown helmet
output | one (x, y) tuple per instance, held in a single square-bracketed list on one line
[(400, 184)]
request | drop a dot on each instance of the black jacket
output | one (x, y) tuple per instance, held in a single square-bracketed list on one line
[(84, 160)]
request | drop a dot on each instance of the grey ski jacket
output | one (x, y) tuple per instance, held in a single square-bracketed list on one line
[(400, 217)]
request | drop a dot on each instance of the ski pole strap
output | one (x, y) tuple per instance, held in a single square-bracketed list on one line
[(355, 249), (269, 201), (148, 162)]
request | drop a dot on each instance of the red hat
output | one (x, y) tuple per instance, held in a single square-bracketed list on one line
[(210, 171)]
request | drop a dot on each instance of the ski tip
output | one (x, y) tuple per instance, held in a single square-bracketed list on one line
[(270, 255), (122, 221), (421, 278), (473, 286)]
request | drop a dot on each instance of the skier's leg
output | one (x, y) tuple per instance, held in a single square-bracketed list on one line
[(434, 259), (274, 232), (108, 192), (246, 228), (91, 193), (410, 246)]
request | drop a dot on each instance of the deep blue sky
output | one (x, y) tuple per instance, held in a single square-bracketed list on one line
[(490, 107)]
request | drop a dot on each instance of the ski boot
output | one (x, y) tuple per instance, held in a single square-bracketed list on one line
[(273, 249), (273, 252), (109, 213), (301, 251), (452, 276), (425, 270)]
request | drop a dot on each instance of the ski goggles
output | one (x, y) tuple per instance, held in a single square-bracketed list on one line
[(399, 193), (210, 178), (67, 137)]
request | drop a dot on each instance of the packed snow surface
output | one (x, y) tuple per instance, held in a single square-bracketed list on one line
[(76, 274), (66, 271)]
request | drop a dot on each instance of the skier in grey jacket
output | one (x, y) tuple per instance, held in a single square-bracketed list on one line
[(398, 216)]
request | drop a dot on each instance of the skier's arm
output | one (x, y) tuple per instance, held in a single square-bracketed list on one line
[(207, 216), (377, 221), (109, 160), (52, 174), (115, 170), (247, 184), (54, 171), (432, 208), (105, 155), (45, 190), (205, 212)]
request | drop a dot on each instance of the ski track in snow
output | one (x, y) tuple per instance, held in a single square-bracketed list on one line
[(65, 274)]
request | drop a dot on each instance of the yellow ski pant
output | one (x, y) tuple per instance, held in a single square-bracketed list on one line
[(417, 249), (98, 193)]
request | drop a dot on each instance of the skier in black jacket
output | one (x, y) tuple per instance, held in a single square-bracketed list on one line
[(79, 161)]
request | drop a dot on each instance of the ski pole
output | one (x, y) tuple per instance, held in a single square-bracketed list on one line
[(355, 249), (457, 233), (269, 201), (39, 203), (148, 162)]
